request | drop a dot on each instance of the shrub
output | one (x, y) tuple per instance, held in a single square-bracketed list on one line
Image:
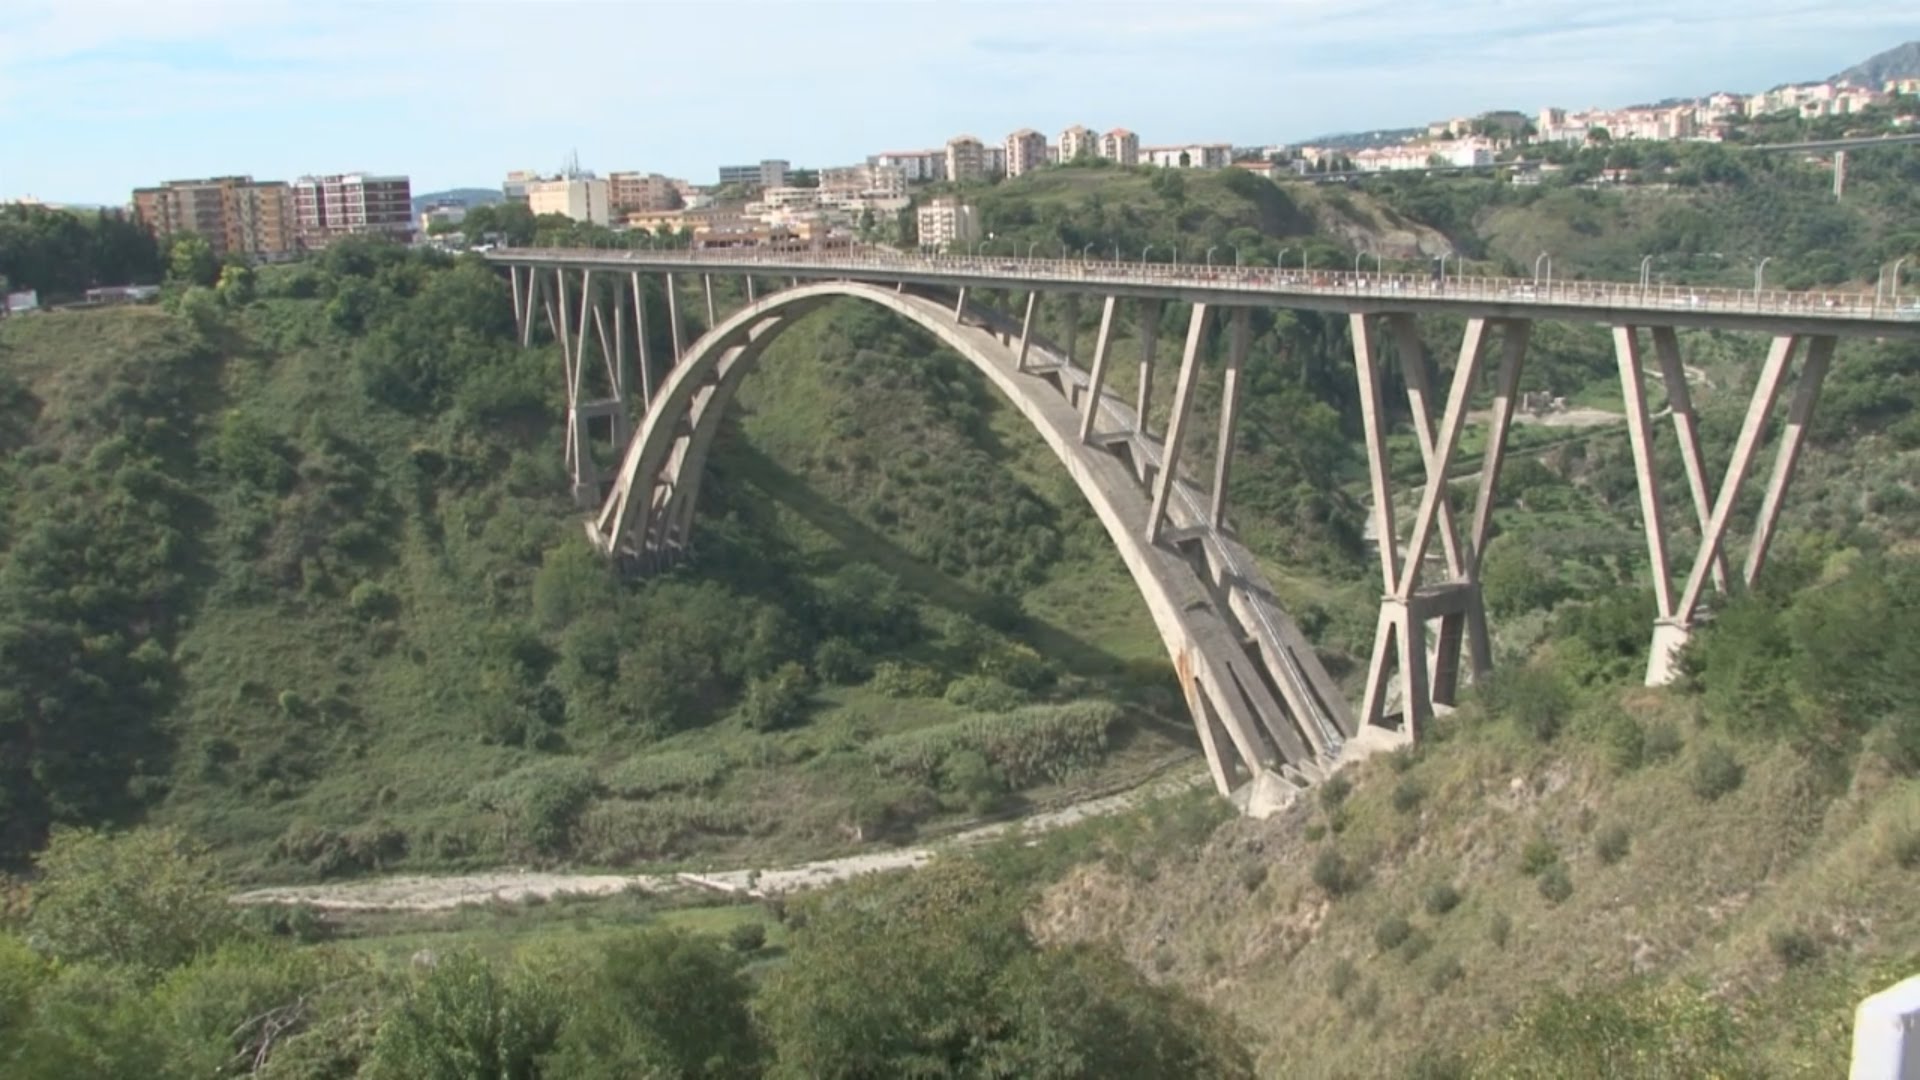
[(901, 680), (463, 1019), (982, 693), (1612, 844), (1793, 946), (1415, 946), (648, 774), (1533, 698), (1441, 898), (1661, 741), (372, 600), (540, 803), (777, 699), (1623, 742), (840, 662), (146, 899), (1335, 791), (1407, 796), (970, 778), (1555, 884), (1499, 929), (747, 938), (1445, 973), (1538, 855), (1716, 772), (1341, 978), (1253, 875), (1315, 832), (1333, 875), (1391, 933)]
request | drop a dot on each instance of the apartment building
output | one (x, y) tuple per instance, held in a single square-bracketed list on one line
[(1026, 151), (884, 181), (1190, 156), (628, 192), (947, 223), (582, 198), (1121, 146), (918, 166), (1077, 142), (771, 172), (351, 204), (966, 159), (515, 185), (235, 214)]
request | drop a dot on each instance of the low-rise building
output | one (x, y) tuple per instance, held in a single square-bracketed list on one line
[(947, 223), (581, 198), (514, 187), (771, 172), (448, 214), (1190, 156)]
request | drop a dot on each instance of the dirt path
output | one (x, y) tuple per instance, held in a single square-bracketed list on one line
[(424, 893)]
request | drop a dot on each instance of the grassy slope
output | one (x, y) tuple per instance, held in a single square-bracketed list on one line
[(1700, 893)]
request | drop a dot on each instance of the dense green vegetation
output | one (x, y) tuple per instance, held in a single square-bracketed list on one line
[(132, 963), (63, 254)]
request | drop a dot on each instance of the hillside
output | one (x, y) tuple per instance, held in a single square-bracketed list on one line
[(465, 196), (1899, 62)]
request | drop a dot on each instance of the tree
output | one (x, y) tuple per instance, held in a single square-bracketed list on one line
[(190, 261), (464, 1021), (236, 283), (659, 1003), (146, 899)]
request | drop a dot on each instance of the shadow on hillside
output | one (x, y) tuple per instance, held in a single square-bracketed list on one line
[(792, 491)]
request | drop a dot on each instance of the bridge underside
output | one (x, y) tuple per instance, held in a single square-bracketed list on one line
[(1268, 715)]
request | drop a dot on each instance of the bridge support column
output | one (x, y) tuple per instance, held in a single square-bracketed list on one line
[(1239, 334), (1675, 615), (1429, 680), (1096, 381), (706, 286), (1072, 331), (1177, 423), (640, 341), (673, 320), (520, 312), (1149, 336), (1026, 331), (750, 296), (960, 305), (1673, 374)]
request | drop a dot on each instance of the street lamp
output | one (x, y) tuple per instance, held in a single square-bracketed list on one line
[(1030, 246), (1084, 251), (1281, 262), (1646, 269), (1897, 264), (1543, 257), (1357, 256), (1143, 252), (1760, 273), (1210, 252), (1236, 254)]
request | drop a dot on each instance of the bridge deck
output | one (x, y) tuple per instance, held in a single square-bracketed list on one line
[(1774, 311)]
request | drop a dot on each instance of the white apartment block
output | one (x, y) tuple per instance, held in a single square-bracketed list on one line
[(966, 159), (1462, 153), (1664, 124), (582, 198), (917, 166), (947, 224), (1120, 145), (1077, 142), (645, 192), (866, 180), (1191, 156), (771, 172), (1026, 151)]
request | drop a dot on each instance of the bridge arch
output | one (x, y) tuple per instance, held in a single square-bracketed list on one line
[(1234, 689)]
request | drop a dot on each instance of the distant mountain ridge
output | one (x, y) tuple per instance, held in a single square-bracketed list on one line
[(466, 196), (1899, 62)]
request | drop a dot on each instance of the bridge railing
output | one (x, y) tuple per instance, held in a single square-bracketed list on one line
[(1558, 292)]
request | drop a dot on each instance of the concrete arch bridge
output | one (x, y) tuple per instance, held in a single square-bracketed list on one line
[(1269, 716)]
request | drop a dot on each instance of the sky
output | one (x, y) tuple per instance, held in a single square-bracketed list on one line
[(100, 98)]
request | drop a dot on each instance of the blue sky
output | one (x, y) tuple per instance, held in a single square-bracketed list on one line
[(100, 97)]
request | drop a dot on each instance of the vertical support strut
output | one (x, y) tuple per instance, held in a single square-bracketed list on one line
[(640, 341), (706, 286), (960, 305), (1813, 371), (1026, 332), (1097, 380), (1626, 349), (1149, 336), (750, 294), (1239, 336), (679, 344), (1373, 421), (1073, 329), (520, 312), (534, 282), (1513, 348), (1177, 423)]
